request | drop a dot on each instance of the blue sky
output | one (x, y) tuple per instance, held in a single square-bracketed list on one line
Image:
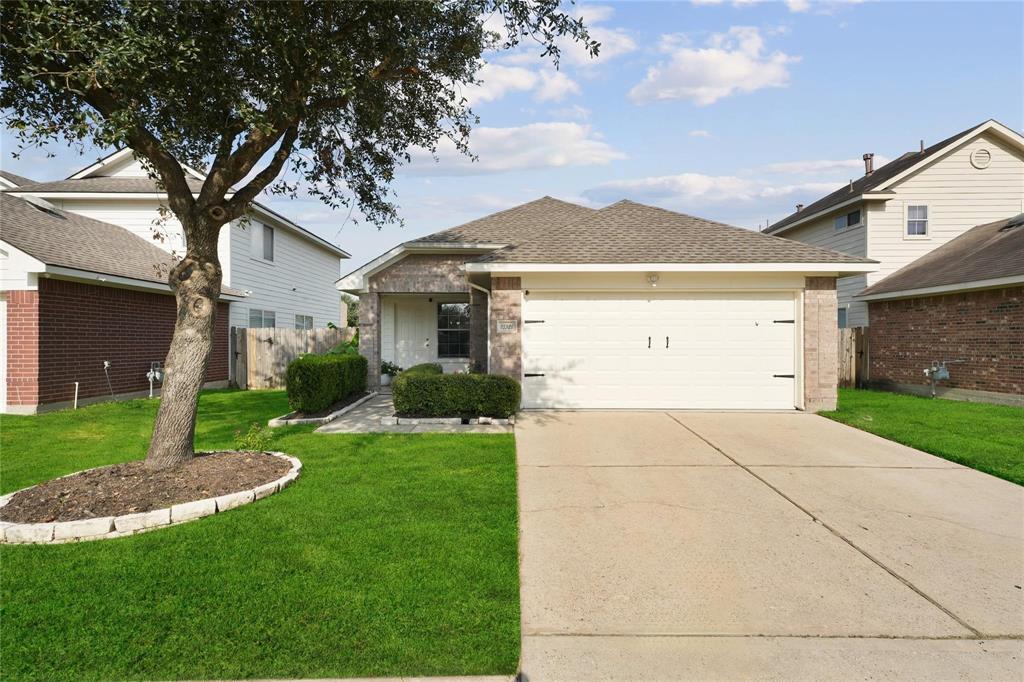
[(730, 110)]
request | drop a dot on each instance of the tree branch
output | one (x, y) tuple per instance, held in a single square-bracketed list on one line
[(236, 206)]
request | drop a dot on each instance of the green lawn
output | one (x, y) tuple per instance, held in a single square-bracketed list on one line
[(989, 438), (392, 555)]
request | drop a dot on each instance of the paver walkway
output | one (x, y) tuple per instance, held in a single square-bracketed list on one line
[(366, 419), (685, 545)]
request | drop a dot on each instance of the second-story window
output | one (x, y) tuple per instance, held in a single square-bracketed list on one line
[(917, 221), (846, 220), (262, 241)]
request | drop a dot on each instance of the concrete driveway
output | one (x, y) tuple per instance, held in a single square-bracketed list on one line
[(699, 545)]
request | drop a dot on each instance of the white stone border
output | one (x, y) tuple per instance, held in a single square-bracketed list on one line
[(287, 421), (130, 524), (447, 421)]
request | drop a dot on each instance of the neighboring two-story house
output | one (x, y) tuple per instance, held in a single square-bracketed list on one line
[(118, 246), (900, 213)]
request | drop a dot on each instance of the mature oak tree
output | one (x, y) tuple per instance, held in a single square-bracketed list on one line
[(337, 93)]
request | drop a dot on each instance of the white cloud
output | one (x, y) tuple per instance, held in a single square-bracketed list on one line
[(798, 5), (731, 63), (819, 6), (695, 189), (575, 112), (700, 133), (498, 80), (823, 166), (555, 86), (537, 145)]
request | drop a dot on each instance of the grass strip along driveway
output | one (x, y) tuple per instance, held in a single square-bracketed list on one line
[(988, 438), (392, 555)]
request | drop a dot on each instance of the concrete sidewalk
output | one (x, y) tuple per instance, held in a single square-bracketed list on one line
[(690, 545)]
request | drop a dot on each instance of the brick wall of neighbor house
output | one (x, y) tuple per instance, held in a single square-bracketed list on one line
[(369, 337), (22, 347), (983, 328), (821, 344), (506, 347), (80, 326)]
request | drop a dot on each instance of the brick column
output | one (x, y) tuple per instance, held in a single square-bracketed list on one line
[(23, 348), (478, 328), (821, 344), (506, 347), (369, 337)]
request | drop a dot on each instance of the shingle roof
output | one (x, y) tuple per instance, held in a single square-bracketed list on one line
[(867, 183), (69, 240), (628, 232), (990, 251), (17, 180), (511, 225), (106, 183)]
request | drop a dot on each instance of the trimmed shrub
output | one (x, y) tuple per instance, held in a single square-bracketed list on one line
[(426, 368), (426, 393), (315, 382)]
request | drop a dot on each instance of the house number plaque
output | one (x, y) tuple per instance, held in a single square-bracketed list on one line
[(507, 326)]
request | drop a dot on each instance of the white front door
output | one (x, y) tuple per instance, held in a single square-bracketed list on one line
[(724, 350), (415, 332)]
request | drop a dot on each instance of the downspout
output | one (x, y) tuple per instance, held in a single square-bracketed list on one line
[(486, 293)]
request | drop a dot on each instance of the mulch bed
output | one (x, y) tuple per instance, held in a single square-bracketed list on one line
[(130, 488), (333, 408)]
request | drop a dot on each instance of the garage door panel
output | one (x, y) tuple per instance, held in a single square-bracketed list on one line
[(708, 350)]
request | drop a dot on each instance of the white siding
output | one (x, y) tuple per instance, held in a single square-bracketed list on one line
[(851, 240), (958, 195), (300, 281), (139, 216)]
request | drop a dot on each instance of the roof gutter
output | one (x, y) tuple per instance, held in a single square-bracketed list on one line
[(59, 272), (865, 196), (995, 283), (812, 268)]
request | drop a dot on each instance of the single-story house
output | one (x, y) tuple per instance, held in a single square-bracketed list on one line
[(628, 306), (78, 294), (962, 305)]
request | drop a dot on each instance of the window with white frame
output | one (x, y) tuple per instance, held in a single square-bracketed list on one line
[(917, 221), (453, 330), (261, 241), (303, 321), (842, 318), (846, 220), (262, 318)]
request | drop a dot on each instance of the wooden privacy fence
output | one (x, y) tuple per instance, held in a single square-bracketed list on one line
[(853, 356), (262, 355)]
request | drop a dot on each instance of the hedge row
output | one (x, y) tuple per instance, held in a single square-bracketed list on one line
[(422, 392), (315, 382)]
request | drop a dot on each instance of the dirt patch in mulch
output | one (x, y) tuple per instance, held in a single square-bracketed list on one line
[(130, 488), (333, 408)]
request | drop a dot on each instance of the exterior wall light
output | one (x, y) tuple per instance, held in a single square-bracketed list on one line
[(652, 279)]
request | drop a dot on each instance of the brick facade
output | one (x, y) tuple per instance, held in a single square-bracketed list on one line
[(506, 347), (421, 273), (821, 344), (63, 332), (369, 337), (983, 328)]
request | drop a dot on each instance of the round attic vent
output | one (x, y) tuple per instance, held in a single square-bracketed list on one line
[(981, 158)]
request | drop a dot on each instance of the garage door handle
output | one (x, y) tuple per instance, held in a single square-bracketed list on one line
[(784, 376), (648, 342), (666, 342), (532, 374)]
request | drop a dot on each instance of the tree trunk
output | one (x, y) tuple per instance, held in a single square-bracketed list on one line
[(195, 281)]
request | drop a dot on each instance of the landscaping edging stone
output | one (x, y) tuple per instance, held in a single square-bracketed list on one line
[(448, 421), (131, 524), (286, 420)]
